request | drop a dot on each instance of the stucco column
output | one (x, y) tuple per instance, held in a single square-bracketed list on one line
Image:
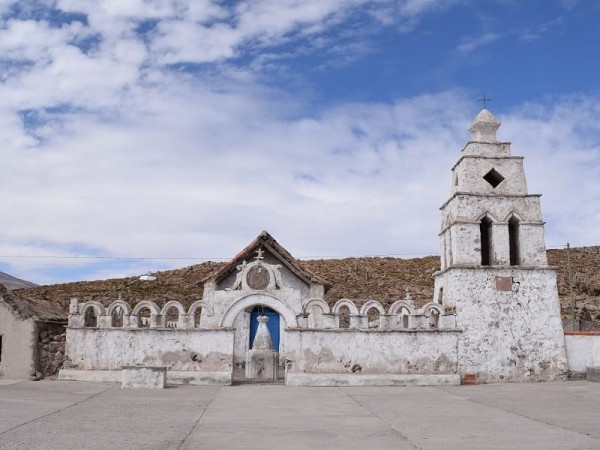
[(155, 321), (500, 245)]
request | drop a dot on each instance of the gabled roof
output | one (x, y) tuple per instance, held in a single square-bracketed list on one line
[(28, 308), (267, 242)]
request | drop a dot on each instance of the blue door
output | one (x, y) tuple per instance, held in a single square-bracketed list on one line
[(272, 324)]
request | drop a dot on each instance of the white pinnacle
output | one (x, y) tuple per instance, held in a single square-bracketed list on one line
[(484, 127)]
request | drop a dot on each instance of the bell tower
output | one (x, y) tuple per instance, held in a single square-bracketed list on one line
[(494, 272)]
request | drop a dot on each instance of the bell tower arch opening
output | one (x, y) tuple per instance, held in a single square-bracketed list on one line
[(513, 241), (485, 230)]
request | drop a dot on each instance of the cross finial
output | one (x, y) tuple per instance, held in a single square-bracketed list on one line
[(484, 100), (259, 254)]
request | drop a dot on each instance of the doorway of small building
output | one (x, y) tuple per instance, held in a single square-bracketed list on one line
[(272, 325)]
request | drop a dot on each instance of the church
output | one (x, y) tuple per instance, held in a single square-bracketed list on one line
[(494, 316)]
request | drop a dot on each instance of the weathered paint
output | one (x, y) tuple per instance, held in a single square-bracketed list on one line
[(192, 351), (372, 351)]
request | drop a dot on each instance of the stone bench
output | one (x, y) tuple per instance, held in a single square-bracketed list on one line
[(144, 377)]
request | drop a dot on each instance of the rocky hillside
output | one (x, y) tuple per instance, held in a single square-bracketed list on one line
[(384, 279), (11, 282)]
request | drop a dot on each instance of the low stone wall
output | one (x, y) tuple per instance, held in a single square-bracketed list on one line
[(192, 356), (583, 350), (371, 357)]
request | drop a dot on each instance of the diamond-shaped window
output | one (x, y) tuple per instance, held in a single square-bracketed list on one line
[(493, 177)]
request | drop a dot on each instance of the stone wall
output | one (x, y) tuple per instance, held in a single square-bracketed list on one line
[(399, 340), (51, 348), (110, 349), (511, 323), (375, 352)]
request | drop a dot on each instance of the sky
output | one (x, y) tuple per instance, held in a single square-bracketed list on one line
[(144, 135)]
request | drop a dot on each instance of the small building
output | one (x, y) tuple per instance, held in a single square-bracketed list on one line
[(32, 336)]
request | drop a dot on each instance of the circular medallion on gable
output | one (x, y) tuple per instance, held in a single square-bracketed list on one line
[(258, 278)]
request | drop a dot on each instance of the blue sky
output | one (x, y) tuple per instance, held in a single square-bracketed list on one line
[(140, 135)]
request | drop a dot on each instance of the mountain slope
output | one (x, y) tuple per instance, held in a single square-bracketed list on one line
[(383, 279), (11, 282)]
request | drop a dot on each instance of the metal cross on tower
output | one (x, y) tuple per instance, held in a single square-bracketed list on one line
[(484, 100)]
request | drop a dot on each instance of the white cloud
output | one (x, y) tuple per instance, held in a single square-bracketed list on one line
[(120, 156), (468, 45), (562, 146)]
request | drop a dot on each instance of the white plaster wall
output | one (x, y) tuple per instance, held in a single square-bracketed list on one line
[(583, 351), (240, 344), (376, 352), (180, 350), (507, 335), (468, 207), (464, 234), (471, 170), (532, 245), (281, 300), (289, 279), (18, 345), (475, 148)]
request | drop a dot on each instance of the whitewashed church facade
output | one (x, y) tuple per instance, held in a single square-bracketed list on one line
[(494, 317)]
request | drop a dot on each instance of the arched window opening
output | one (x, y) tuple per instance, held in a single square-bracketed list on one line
[(513, 241), (172, 317), (197, 316), (91, 319), (344, 315), (117, 317), (485, 229), (144, 318), (440, 299), (373, 317)]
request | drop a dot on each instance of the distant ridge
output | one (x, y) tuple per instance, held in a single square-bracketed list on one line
[(358, 279), (12, 283)]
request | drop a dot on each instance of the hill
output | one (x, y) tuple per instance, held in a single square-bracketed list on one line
[(11, 282), (384, 279)]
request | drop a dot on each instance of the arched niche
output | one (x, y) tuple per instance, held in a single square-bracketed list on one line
[(275, 303)]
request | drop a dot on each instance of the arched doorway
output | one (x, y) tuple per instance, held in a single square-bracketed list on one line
[(273, 324), (242, 317)]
